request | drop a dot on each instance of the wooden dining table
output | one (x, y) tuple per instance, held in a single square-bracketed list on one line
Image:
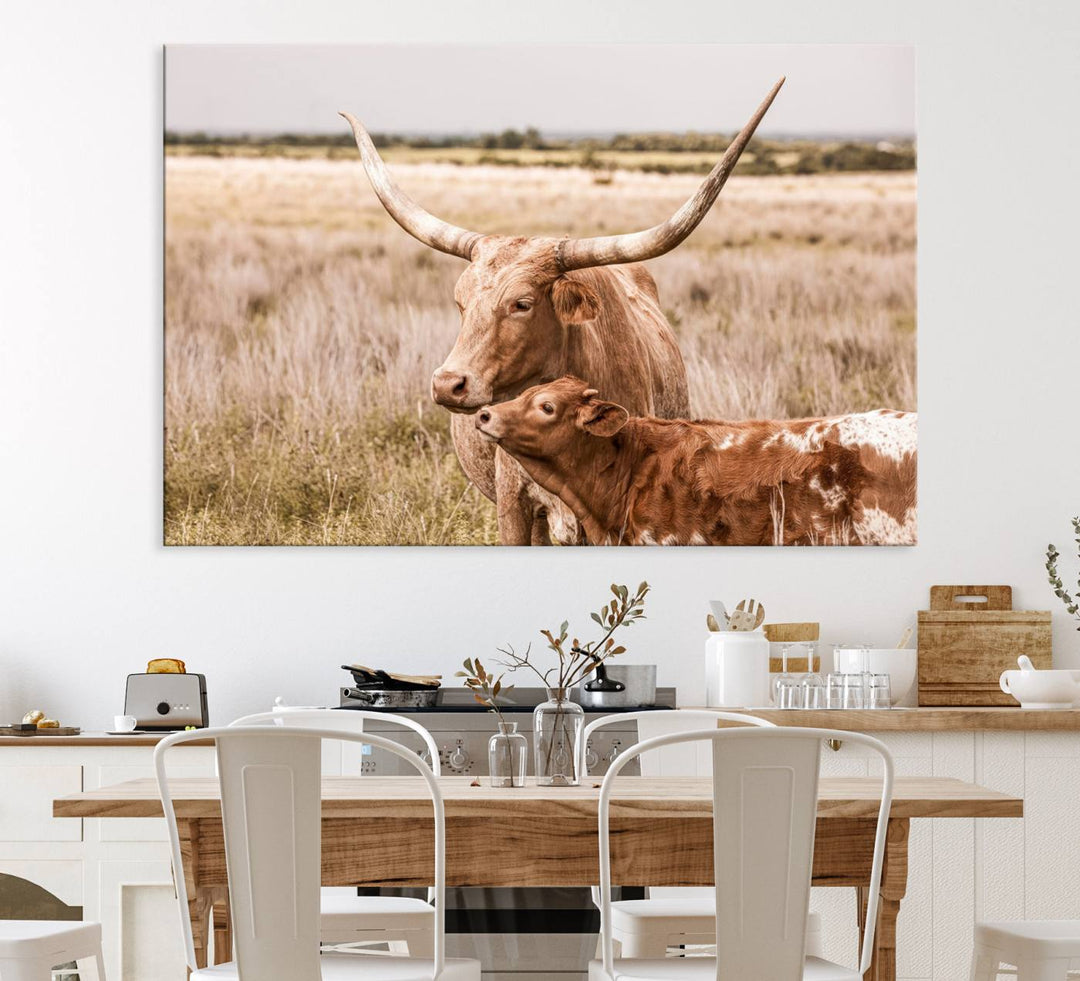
[(377, 831)]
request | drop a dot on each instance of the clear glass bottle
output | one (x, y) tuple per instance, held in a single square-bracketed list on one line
[(508, 755), (557, 725)]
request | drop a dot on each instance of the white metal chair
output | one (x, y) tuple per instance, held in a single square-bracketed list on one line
[(346, 917), (678, 916), (1041, 950), (30, 949), (271, 809), (765, 790)]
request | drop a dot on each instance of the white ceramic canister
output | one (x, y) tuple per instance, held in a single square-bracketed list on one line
[(737, 669)]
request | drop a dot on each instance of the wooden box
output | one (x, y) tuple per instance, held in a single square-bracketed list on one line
[(968, 637)]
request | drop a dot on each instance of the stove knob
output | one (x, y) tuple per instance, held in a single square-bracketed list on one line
[(163, 708), (591, 757), (614, 752), (458, 758)]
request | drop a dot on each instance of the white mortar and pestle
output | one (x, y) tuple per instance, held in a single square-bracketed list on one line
[(1035, 689)]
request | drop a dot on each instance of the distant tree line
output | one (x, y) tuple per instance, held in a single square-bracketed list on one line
[(763, 156)]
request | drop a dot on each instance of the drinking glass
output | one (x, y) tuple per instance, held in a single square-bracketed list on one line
[(853, 691), (788, 692), (879, 694), (785, 676), (813, 691), (834, 690)]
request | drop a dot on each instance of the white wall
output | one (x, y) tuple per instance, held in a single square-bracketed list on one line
[(88, 594)]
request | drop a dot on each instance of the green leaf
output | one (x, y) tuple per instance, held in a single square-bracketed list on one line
[(596, 617)]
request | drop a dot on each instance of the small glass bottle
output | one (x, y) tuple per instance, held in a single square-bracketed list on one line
[(557, 725), (508, 755)]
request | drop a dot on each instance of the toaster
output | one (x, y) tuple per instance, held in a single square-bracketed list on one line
[(165, 702)]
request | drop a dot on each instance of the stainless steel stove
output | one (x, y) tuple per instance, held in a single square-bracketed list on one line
[(528, 934)]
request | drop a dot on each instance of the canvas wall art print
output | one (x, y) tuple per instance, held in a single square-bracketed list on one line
[(454, 295)]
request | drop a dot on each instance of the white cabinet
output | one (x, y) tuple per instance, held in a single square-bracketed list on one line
[(961, 869), (117, 870), (26, 803)]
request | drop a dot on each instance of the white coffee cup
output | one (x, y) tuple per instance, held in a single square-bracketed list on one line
[(124, 723)]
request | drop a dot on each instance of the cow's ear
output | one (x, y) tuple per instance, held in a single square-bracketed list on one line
[(602, 418), (574, 301)]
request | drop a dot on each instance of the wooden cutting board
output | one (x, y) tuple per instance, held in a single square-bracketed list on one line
[(56, 731), (968, 637)]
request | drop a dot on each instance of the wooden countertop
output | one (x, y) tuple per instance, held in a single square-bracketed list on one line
[(922, 719), (408, 797), (91, 739)]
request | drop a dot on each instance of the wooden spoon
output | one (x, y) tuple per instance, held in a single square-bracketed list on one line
[(748, 615)]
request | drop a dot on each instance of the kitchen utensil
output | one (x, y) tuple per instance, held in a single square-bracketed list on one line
[(167, 702), (900, 665), (365, 676), (968, 637), (361, 697), (1042, 689), (737, 669), (904, 638), (747, 616), (1025, 663), (711, 623), (720, 614), (619, 686)]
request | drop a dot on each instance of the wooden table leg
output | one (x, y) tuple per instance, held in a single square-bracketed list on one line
[(222, 922), (893, 889), (200, 899)]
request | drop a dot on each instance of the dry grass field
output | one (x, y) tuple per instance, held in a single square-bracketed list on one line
[(302, 328)]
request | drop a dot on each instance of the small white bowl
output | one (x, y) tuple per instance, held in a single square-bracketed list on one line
[(899, 663), (1042, 689)]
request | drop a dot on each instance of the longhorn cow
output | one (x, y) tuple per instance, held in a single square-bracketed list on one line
[(534, 309)]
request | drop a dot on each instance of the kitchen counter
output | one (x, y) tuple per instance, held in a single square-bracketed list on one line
[(923, 719), (88, 739)]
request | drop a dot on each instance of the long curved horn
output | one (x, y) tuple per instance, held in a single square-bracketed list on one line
[(580, 253), (407, 213)]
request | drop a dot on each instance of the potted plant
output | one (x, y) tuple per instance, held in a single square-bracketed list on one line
[(557, 723), (508, 750)]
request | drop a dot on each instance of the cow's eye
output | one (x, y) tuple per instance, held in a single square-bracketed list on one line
[(523, 305), (547, 408)]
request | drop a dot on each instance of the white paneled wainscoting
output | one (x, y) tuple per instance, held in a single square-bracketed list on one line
[(960, 870), (964, 869)]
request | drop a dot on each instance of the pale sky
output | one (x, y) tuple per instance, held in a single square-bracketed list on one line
[(856, 90)]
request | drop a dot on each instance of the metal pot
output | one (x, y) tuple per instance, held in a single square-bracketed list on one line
[(388, 698), (620, 686)]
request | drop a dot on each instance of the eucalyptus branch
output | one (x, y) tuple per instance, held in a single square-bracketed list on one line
[(1070, 602)]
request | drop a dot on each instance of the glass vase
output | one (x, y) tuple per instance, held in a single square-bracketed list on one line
[(508, 754), (557, 725)]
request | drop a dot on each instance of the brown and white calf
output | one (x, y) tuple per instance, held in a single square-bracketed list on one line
[(844, 480)]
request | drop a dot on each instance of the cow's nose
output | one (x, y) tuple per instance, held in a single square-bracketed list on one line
[(485, 416), (449, 387)]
